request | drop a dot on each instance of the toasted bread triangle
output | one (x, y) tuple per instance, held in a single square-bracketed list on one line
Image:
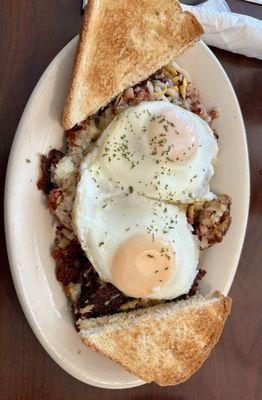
[(122, 42), (165, 343)]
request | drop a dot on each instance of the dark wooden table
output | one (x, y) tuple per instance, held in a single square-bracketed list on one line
[(31, 33)]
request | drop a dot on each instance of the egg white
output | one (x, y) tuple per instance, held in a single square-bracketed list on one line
[(103, 220), (125, 158)]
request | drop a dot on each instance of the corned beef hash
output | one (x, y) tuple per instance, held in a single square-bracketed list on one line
[(132, 199)]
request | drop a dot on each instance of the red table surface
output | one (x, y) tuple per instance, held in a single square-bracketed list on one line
[(31, 34)]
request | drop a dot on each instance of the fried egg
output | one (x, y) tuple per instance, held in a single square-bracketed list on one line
[(144, 247), (148, 158), (160, 150)]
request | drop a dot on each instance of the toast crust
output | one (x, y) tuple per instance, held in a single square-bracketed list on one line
[(163, 346), (122, 43)]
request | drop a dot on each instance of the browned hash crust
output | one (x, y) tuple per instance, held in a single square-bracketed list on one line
[(210, 219), (71, 260), (194, 288), (44, 183), (73, 266)]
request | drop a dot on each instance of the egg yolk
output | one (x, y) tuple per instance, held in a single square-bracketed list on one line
[(172, 137), (142, 264)]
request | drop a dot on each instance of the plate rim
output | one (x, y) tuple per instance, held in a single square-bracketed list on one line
[(7, 223)]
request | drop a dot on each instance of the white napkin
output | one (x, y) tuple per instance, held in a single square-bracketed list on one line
[(229, 31), (254, 1)]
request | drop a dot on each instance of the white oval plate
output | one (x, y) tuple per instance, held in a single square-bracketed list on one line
[(29, 231)]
